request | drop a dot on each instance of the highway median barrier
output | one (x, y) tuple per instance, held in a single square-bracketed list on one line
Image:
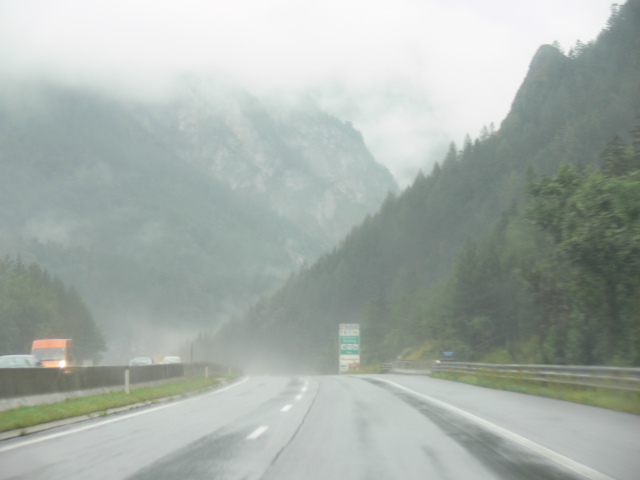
[(29, 384)]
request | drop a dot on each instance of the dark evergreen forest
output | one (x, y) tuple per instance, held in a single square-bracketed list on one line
[(35, 305), (521, 245)]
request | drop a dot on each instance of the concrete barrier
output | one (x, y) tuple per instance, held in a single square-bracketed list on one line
[(22, 382), (150, 373)]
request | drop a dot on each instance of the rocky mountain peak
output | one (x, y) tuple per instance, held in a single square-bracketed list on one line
[(286, 153), (545, 69)]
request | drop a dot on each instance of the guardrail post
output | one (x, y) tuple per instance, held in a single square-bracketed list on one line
[(126, 380)]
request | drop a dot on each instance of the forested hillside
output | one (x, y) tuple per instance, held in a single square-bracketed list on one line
[(150, 240), (97, 201), (35, 305), (556, 282), (393, 272)]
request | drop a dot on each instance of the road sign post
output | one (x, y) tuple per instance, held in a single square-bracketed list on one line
[(349, 345)]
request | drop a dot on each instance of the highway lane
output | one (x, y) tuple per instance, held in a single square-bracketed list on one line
[(336, 427), (605, 440)]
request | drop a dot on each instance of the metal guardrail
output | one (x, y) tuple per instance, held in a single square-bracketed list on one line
[(595, 377)]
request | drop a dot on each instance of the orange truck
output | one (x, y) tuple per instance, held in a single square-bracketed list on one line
[(53, 352)]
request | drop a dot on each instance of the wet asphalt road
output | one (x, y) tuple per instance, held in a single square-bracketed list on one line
[(338, 427)]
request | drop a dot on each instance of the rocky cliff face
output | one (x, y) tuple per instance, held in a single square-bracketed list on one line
[(302, 163), (546, 70)]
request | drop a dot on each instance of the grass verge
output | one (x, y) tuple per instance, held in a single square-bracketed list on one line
[(622, 400), (27, 416)]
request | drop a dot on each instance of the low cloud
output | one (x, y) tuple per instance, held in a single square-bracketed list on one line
[(459, 64)]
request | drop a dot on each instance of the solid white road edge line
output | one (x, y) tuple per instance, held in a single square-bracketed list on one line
[(286, 408), (579, 468), (257, 432), (113, 420)]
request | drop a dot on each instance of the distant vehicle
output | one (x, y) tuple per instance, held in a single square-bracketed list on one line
[(19, 361), (137, 361), (54, 352), (171, 360)]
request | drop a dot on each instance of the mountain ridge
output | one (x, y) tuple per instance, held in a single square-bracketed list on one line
[(566, 110), (309, 166), (100, 202)]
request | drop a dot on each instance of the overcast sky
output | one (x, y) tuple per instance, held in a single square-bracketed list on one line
[(412, 75)]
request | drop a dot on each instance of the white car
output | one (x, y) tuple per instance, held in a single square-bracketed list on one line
[(171, 360), (19, 361), (138, 361)]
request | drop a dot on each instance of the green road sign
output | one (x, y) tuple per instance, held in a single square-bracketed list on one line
[(349, 342), (349, 345)]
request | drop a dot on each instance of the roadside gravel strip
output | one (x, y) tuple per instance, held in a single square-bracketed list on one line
[(68, 421)]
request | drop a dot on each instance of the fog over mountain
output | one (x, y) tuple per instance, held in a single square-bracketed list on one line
[(410, 75), (174, 162), (476, 256), (175, 215), (281, 151)]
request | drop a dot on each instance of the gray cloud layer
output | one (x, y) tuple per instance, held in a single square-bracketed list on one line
[(411, 74)]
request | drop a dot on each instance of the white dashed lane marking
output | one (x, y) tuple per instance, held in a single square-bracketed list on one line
[(257, 432)]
